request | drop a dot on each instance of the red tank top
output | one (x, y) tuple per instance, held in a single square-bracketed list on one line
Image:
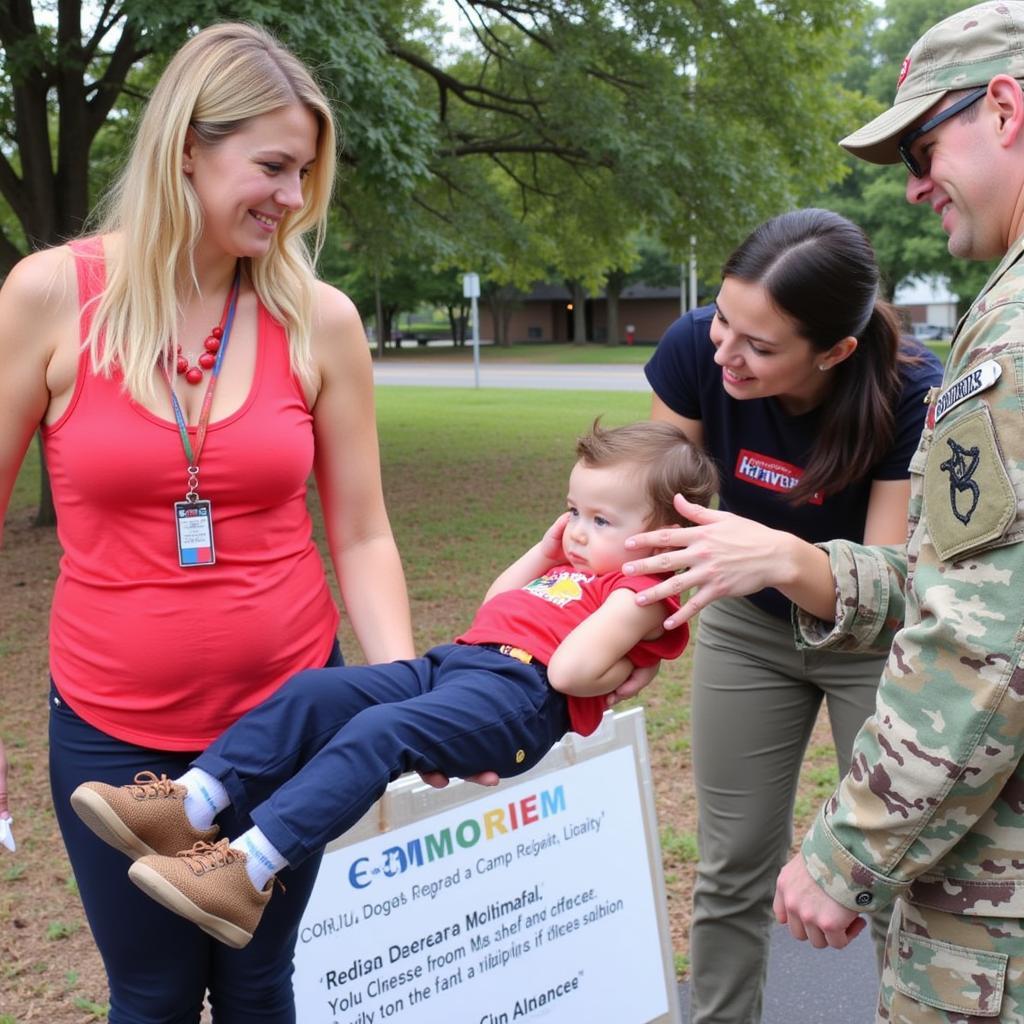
[(147, 651)]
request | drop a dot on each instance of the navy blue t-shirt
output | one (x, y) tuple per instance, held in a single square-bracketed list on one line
[(761, 450)]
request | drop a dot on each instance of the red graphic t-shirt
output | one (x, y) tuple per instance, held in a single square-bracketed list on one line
[(514, 617)]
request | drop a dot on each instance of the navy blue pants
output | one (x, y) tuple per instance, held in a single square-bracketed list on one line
[(159, 965), (310, 761)]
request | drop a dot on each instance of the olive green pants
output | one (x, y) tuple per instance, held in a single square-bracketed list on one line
[(755, 700)]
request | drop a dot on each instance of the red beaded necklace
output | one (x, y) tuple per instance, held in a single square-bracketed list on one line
[(207, 359)]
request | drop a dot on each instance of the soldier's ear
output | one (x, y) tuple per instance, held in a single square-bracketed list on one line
[(1006, 99)]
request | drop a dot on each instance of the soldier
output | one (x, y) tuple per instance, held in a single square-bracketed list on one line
[(929, 816)]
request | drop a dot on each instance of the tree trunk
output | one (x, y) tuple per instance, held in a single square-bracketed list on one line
[(612, 290), (579, 313), (457, 317), (378, 316)]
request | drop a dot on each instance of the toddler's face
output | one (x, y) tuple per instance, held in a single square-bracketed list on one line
[(605, 508)]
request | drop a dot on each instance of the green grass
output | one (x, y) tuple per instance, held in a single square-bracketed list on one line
[(26, 488), (57, 930), (679, 846), (539, 352), (472, 479)]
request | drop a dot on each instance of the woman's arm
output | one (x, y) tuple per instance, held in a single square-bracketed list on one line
[(27, 344), (347, 465), (693, 429), (725, 555), (592, 660)]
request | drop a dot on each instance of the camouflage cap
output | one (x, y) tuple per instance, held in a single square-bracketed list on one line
[(965, 50)]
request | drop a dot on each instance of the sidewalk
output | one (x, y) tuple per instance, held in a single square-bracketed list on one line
[(815, 986)]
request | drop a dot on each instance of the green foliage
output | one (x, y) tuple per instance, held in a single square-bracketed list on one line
[(57, 930), (538, 148), (679, 846), (909, 240), (97, 1011)]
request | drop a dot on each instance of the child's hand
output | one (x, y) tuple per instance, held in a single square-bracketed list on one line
[(633, 683), (551, 543)]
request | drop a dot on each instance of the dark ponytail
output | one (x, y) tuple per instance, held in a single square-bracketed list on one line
[(819, 270)]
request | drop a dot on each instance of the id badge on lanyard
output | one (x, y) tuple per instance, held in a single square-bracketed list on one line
[(193, 517), (194, 522)]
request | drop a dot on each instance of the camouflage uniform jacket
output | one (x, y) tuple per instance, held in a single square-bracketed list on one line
[(931, 808)]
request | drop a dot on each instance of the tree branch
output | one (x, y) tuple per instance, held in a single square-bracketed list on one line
[(109, 85), (524, 186), (503, 103), (420, 201), (507, 12), (108, 18), (17, 22), (482, 30), (12, 188), (490, 148), (9, 254)]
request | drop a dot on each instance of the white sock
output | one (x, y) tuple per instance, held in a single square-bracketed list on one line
[(262, 860), (206, 798)]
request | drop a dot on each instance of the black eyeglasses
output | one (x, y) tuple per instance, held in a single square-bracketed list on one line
[(904, 144)]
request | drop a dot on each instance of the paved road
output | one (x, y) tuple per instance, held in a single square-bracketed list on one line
[(805, 985), (815, 986), (438, 374)]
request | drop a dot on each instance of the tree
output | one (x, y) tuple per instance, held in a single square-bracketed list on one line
[(908, 240), (582, 122), (559, 130)]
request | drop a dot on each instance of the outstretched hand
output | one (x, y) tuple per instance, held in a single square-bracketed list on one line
[(721, 555), (810, 913)]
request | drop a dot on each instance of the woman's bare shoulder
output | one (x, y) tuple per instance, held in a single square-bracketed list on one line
[(42, 283), (334, 310)]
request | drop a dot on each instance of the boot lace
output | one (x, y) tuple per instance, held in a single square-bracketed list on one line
[(148, 785), (203, 856)]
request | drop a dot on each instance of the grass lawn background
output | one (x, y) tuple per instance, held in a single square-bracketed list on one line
[(472, 478)]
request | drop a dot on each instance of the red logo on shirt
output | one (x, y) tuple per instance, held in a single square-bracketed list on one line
[(770, 473), (904, 70)]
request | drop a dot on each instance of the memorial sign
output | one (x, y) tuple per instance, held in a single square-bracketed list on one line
[(542, 898)]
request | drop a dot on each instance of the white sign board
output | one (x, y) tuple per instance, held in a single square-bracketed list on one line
[(471, 286), (541, 899)]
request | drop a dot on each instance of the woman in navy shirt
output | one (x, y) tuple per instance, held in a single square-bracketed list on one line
[(796, 381)]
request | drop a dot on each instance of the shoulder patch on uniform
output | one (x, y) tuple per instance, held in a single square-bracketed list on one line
[(978, 379), (969, 500)]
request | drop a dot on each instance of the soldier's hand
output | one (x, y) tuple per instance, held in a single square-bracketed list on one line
[(811, 914)]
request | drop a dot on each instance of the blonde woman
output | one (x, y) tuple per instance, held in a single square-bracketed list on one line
[(188, 372)]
